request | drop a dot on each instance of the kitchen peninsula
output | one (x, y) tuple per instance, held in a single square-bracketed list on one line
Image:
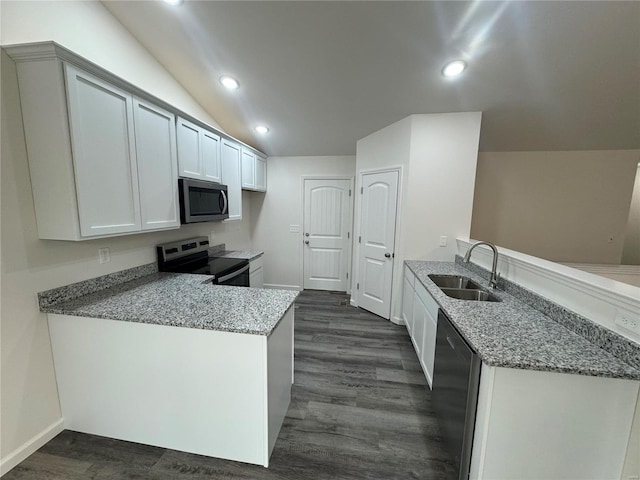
[(173, 361)]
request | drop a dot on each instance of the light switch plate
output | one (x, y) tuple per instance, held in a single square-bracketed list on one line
[(443, 241), (294, 228)]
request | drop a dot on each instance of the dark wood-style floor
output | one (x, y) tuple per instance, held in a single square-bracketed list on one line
[(360, 409)]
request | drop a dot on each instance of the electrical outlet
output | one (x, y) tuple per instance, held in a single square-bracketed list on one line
[(628, 321), (104, 255), (443, 241)]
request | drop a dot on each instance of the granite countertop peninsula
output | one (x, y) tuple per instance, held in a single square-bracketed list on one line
[(511, 333), (173, 299)]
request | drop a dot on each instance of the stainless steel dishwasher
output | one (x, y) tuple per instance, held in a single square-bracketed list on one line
[(456, 377)]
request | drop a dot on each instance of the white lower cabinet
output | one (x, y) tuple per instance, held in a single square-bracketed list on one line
[(256, 273), (230, 154), (420, 313)]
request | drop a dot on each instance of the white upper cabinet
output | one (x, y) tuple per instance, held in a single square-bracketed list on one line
[(198, 152), (157, 165), (232, 176), (261, 173), (248, 168), (254, 171), (211, 168), (104, 157)]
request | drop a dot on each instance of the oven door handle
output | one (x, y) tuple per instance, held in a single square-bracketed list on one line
[(233, 275)]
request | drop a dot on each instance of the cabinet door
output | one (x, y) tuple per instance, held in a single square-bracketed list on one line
[(256, 278), (189, 157), (248, 169), (419, 320), (231, 177), (101, 121), (407, 303), (210, 143), (157, 166), (429, 347), (261, 174)]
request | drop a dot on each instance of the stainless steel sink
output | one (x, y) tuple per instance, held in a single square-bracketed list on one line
[(462, 288), (454, 281), (470, 294)]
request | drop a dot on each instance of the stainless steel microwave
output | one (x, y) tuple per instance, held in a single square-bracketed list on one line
[(202, 201)]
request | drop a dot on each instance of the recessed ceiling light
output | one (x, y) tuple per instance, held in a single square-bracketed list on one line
[(453, 69), (262, 129), (229, 82), (174, 2)]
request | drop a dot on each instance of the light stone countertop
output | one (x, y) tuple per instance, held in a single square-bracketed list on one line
[(513, 334), (243, 254), (183, 300)]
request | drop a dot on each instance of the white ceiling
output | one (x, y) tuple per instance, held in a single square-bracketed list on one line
[(321, 75)]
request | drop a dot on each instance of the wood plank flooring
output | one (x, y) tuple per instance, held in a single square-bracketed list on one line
[(360, 409)]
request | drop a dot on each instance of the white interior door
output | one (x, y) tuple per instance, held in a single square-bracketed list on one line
[(326, 234), (377, 241)]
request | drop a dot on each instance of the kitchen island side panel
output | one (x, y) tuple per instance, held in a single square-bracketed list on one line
[(194, 390), (532, 425)]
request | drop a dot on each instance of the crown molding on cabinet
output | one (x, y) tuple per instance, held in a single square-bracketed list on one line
[(39, 51)]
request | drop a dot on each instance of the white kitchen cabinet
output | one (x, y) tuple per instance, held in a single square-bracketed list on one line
[(104, 157), (230, 153), (407, 299), (198, 152), (248, 169), (420, 314), (256, 273), (261, 174), (157, 165), (254, 171)]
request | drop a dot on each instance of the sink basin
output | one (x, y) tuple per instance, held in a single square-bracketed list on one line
[(454, 281), (474, 294)]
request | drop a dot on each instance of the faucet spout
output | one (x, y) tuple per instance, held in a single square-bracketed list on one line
[(493, 282)]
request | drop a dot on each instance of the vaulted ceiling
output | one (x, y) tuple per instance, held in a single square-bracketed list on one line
[(323, 74)]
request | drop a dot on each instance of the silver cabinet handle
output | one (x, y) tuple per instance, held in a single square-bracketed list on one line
[(388, 255)]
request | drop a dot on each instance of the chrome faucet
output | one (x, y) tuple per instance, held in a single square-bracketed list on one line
[(493, 282)]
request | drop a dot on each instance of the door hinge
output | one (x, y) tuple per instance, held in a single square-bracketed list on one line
[(357, 286), (348, 235), (361, 190), (359, 239), (349, 192), (347, 275)]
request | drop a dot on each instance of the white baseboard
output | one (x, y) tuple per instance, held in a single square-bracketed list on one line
[(398, 321), (283, 287), (353, 302), (30, 446)]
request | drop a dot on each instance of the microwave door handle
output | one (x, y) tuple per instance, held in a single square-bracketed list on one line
[(226, 203), (233, 275)]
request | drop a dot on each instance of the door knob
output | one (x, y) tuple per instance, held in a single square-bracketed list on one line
[(306, 234), (306, 242), (388, 255)]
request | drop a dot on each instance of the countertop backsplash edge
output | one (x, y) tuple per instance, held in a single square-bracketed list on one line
[(93, 285)]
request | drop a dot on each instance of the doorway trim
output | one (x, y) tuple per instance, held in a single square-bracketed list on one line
[(356, 226), (351, 180)]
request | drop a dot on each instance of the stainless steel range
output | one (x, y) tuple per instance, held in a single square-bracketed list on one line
[(192, 256)]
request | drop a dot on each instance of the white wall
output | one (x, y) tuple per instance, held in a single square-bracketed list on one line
[(438, 155), (273, 213), (28, 395), (631, 248)]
